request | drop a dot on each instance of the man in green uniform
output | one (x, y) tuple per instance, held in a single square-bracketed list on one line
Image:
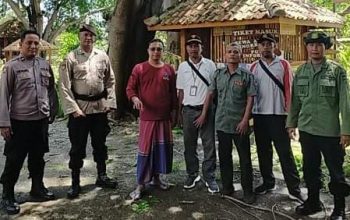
[(235, 89), (320, 95)]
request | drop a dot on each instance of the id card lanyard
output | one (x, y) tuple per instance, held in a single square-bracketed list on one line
[(194, 87)]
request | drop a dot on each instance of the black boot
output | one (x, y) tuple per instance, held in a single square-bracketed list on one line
[(311, 206), (102, 179), (339, 208), (74, 191), (39, 192), (8, 203)]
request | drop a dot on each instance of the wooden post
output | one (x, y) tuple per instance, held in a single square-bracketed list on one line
[(183, 44)]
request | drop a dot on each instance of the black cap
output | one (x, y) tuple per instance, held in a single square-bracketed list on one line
[(318, 37), (194, 39), (268, 37), (87, 27)]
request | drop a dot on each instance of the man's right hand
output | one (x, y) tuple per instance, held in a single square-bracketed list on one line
[(6, 133), (137, 103), (292, 132), (78, 113)]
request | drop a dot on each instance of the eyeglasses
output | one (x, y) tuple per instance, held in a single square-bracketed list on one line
[(156, 49)]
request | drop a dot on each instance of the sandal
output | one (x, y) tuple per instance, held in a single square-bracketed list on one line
[(160, 184), (135, 195)]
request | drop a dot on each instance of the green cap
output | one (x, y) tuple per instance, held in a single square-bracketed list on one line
[(318, 37), (88, 27)]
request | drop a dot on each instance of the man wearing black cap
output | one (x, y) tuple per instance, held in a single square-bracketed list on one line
[(193, 79), (320, 95), (87, 87), (273, 77)]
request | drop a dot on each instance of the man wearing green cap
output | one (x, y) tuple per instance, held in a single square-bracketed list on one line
[(320, 95), (87, 87)]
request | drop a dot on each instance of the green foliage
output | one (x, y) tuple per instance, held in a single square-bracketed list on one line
[(66, 42), (344, 57), (144, 205)]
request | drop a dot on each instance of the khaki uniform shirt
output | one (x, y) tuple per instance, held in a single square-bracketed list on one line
[(27, 91), (88, 74), (318, 98), (232, 91)]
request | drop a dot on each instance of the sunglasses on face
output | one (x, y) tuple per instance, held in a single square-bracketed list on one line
[(156, 49)]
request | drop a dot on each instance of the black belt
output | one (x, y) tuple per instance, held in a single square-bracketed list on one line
[(90, 97), (195, 107)]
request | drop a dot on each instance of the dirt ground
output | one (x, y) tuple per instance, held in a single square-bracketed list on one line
[(175, 203)]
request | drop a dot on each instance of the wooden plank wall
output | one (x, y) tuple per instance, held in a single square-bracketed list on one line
[(291, 44)]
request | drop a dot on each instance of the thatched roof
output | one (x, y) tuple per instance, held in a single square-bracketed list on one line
[(44, 46), (194, 12)]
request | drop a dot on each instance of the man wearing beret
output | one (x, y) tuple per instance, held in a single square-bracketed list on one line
[(87, 88), (193, 79), (320, 97), (273, 78)]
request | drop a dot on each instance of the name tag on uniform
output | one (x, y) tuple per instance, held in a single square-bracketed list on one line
[(193, 91)]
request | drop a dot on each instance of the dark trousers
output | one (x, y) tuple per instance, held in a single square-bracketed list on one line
[(78, 129), (28, 138), (333, 153), (207, 135), (226, 164), (268, 129)]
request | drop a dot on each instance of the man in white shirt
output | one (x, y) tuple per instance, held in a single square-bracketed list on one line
[(193, 79)]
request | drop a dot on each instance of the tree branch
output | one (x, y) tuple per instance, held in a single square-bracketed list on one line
[(51, 21), (65, 24), (16, 9)]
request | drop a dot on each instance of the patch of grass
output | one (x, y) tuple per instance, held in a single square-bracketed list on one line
[(177, 131), (144, 205), (178, 165)]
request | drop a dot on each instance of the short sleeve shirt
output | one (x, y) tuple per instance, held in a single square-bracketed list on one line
[(188, 81), (232, 91)]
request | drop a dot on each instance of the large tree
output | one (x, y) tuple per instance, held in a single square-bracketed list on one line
[(52, 17), (128, 41)]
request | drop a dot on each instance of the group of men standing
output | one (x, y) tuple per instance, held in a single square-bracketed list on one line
[(202, 99)]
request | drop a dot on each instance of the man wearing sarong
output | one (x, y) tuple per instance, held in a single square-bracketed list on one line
[(152, 89)]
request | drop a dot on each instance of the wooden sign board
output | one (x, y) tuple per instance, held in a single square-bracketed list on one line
[(246, 36)]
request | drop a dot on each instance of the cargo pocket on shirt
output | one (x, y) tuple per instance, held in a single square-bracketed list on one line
[(24, 80), (302, 87), (45, 77), (327, 88)]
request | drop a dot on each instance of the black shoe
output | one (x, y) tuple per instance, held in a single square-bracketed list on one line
[(301, 197), (228, 192), (191, 181), (249, 198), (73, 192), (42, 194), (308, 208), (263, 189), (338, 215), (105, 182), (212, 186), (10, 206)]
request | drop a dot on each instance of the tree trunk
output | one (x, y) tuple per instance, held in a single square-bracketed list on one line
[(128, 43)]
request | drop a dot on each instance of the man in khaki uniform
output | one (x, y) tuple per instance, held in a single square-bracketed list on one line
[(320, 94), (28, 104), (87, 88)]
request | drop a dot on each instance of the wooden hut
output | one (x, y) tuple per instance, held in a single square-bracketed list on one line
[(218, 22), (14, 49)]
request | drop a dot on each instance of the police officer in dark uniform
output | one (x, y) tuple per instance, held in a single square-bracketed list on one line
[(28, 103), (320, 94), (87, 87)]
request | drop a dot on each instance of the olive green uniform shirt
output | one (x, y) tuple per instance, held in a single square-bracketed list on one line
[(232, 91), (319, 98), (89, 74)]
